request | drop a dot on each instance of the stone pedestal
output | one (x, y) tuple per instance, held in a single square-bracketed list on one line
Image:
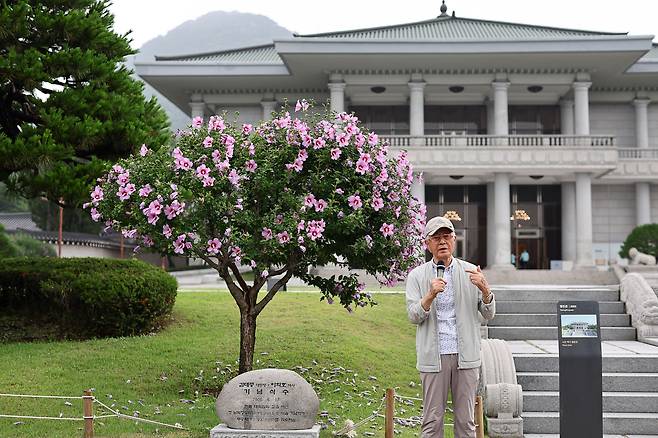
[(505, 427), (223, 431)]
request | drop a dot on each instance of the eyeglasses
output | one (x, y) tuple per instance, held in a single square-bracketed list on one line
[(442, 236)]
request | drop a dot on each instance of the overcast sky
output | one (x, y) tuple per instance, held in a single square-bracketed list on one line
[(149, 18)]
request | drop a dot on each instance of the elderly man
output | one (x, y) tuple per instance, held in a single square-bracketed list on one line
[(444, 297)]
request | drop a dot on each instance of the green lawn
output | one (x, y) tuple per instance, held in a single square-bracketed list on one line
[(167, 376)]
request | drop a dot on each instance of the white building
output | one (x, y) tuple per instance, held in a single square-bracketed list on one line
[(554, 124)]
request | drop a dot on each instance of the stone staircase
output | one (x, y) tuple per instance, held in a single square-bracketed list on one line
[(526, 317), (531, 313)]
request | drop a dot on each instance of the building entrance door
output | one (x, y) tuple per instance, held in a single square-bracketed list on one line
[(466, 207), (529, 253), (535, 222)]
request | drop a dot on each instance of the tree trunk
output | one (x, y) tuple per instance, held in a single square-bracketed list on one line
[(247, 339)]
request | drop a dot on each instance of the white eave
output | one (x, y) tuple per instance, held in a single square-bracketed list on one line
[(197, 68), (644, 66), (602, 43)]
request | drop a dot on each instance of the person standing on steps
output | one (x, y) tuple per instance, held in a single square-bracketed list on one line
[(443, 298)]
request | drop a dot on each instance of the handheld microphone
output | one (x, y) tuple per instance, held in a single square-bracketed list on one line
[(440, 269)]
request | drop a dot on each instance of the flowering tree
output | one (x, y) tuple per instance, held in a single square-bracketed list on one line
[(297, 191)]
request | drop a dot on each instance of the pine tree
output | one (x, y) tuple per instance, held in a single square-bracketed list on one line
[(68, 105)]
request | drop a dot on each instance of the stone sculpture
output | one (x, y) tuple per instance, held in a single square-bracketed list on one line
[(640, 258)]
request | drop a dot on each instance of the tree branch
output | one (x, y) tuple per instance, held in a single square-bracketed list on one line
[(238, 276), (282, 270), (237, 293), (270, 294)]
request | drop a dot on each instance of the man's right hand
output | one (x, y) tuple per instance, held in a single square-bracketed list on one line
[(437, 286)]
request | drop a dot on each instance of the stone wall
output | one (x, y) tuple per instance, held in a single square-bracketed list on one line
[(613, 218), (617, 120)]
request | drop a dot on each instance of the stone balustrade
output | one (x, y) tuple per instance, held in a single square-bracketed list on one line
[(452, 140), (503, 398), (641, 304), (479, 160)]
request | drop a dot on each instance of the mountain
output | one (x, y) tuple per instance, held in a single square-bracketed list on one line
[(215, 31)]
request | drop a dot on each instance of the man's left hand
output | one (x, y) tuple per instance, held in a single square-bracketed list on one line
[(477, 278)]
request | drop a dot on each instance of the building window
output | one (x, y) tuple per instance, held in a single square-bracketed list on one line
[(384, 120), (471, 120), (534, 120)]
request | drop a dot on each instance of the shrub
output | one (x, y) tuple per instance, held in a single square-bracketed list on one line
[(7, 247), (88, 297), (28, 246), (644, 238)]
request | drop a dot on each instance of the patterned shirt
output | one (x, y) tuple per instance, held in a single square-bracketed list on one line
[(445, 313)]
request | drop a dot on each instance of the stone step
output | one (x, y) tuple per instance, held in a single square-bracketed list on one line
[(549, 401), (611, 364), (612, 382), (606, 307), (513, 333), (626, 423), (555, 295), (548, 319)]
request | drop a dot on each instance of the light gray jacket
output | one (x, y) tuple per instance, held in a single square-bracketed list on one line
[(468, 301)]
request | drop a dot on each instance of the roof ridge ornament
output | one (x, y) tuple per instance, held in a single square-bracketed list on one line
[(444, 9)]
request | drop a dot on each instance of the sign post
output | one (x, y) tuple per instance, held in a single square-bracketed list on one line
[(579, 342)]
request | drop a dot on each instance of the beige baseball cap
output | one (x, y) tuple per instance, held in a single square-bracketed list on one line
[(435, 224)]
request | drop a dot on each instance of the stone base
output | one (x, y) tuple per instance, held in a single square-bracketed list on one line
[(222, 431), (505, 427)]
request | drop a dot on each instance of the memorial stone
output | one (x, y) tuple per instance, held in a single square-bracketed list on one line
[(268, 399)]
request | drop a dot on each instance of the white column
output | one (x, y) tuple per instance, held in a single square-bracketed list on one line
[(337, 93), (416, 109), (643, 203), (198, 109), (581, 99), (418, 188), (642, 189), (269, 106), (569, 221), (501, 123), (491, 235), (503, 236), (584, 259), (566, 116), (641, 123)]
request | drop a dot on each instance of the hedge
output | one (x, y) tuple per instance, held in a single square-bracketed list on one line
[(87, 297)]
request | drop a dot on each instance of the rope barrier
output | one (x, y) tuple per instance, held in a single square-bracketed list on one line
[(408, 398), (414, 398), (83, 418), (353, 427), (130, 417), (31, 417), (42, 396)]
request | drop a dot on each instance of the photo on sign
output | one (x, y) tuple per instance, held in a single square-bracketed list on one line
[(579, 326)]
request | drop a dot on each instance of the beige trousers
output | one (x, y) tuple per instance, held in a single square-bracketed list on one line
[(463, 385)]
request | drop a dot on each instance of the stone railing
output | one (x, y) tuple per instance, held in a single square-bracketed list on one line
[(642, 305), (450, 140), (636, 164), (503, 397), (638, 153)]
